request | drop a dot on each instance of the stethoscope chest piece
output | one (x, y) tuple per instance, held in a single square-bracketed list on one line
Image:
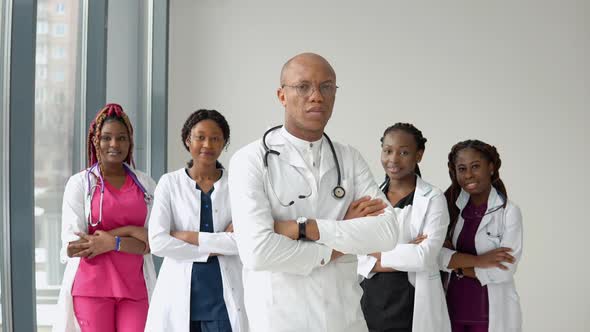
[(338, 192)]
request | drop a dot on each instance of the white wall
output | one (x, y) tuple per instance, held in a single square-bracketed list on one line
[(514, 74)]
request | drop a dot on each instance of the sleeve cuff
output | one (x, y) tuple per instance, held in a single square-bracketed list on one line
[(444, 259), (482, 275), (365, 265), (205, 242), (327, 229), (324, 256)]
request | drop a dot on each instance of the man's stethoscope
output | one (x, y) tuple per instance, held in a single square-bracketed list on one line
[(337, 192), (146, 196)]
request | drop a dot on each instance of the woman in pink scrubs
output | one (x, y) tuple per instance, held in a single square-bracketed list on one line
[(110, 273)]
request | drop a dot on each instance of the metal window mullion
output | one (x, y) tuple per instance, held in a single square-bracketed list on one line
[(5, 213), (21, 163), (157, 132)]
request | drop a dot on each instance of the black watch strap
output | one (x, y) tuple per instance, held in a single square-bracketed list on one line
[(302, 235)]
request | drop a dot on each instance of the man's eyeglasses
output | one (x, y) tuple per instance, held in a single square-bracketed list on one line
[(327, 90)]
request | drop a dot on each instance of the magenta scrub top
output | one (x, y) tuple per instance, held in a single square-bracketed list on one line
[(467, 299), (114, 274)]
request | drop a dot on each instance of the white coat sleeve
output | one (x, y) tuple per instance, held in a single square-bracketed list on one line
[(73, 217), (260, 248), (421, 257), (365, 235), (161, 242), (511, 238), (220, 243)]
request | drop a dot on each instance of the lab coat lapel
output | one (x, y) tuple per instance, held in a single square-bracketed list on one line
[(288, 154), (494, 201), (419, 206)]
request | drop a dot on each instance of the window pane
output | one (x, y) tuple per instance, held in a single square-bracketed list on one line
[(55, 91)]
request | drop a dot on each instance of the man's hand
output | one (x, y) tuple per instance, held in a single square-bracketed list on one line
[(288, 228), (364, 207), (229, 228), (96, 244), (335, 254)]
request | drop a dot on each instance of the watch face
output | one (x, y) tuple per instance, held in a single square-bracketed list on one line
[(301, 220)]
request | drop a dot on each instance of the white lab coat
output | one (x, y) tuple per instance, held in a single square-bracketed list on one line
[(177, 206), (74, 218), (288, 284), (500, 228), (429, 216)]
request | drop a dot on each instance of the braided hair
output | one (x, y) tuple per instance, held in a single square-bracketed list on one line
[(418, 137), (488, 152), (110, 112), (198, 116)]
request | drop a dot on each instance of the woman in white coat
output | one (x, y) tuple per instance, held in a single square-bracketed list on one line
[(109, 274), (402, 287), (485, 243), (199, 287)]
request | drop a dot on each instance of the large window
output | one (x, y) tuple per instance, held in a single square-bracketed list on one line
[(55, 90), (68, 40)]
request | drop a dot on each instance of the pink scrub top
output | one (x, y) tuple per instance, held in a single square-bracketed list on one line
[(114, 274)]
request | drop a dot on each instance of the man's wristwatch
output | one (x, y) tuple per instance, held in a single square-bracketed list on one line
[(459, 273), (301, 222)]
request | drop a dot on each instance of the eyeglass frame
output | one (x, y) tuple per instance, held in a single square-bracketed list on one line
[(313, 88)]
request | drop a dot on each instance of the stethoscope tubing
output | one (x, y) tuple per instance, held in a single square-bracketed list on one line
[(147, 197)]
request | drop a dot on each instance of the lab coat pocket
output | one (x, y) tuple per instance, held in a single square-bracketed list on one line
[(493, 234), (288, 309), (349, 291)]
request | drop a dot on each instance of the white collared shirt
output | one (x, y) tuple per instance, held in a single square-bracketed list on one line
[(309, 151)]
